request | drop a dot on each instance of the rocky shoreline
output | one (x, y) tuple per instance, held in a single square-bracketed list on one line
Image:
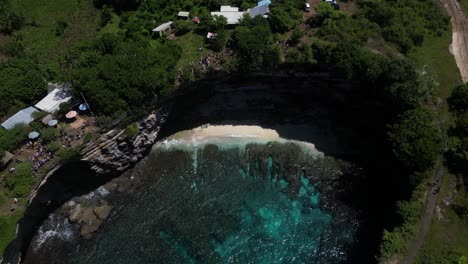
[(113, 153)]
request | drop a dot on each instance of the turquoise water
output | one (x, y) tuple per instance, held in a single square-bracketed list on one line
[(258, 203)]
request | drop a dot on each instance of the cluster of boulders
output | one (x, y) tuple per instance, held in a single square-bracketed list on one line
[(90, 211), (113, 152)]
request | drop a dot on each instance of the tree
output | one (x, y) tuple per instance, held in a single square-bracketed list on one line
[(219, 42), (280, 21), (20, 80), (106, 15), (253, 40), (458, 101), (183, 26), (416, 139)]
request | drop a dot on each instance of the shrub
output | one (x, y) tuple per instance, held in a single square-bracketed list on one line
[(88, 137), (131, 131), (60, 27), (69, 155), (39, 115), (19, 184), (296, 37), (63, 109), (106, 16), (54, 146), (49, 134)]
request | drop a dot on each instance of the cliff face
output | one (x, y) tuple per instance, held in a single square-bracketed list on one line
[(112, 152)]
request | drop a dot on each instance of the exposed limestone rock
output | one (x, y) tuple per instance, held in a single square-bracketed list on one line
[(102, 212), (75, 214), (111, 153), (86, 230), (88, 216)]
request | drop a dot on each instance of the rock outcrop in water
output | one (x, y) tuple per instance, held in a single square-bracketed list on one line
[(112, 152)]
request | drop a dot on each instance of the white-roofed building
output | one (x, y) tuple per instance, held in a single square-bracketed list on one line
[(163, 28), (229, 9), (184, 15), (59, 94), (23, 116)]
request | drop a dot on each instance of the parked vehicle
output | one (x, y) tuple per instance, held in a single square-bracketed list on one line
[(306, 7)]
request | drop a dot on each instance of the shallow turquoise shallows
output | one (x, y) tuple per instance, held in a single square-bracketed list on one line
[(255, 203)]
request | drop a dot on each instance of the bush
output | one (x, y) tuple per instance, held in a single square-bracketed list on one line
[(183, 26), (63, 109), (19, 184), (296, 37), (88, 137), (49, 134), (38, 116), (60, 27), (69, 155), (131, 131), (54, 146), (11, 139), (106, 16)]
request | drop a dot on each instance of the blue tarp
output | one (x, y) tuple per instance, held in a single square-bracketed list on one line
[(258, 11), (264, 2), (21, 117)]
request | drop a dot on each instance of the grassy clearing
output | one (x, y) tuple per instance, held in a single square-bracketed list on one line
[(40, 32), (189, 43), (447, 239), (8, 228), (434, 57)]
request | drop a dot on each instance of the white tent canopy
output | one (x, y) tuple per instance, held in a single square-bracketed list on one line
[(23, 116), (52, 101)]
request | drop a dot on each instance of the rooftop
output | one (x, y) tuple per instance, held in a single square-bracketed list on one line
[(259, 11), (232, 17), (23, 116), (163, 27), (51, 103), (183, 14)]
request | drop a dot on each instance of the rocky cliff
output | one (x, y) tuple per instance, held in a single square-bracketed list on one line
[(113, 152)]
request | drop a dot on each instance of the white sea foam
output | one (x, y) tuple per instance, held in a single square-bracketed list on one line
[(103, 191), (227, 136), (54, 228)]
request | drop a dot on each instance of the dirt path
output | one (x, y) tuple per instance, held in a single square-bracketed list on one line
[(459, 47), (431, 201)]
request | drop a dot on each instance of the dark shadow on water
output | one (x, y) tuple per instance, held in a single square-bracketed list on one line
[(71, 180)]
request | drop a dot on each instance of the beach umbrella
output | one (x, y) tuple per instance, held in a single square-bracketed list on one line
[(52, 122), (83, 107), (33, 135), (71, 114)]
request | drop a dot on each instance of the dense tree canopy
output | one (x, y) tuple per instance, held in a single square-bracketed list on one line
[(21, 83), (123, 76), (416, 140)]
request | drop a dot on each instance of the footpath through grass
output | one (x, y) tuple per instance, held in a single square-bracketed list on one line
[(448, 236)]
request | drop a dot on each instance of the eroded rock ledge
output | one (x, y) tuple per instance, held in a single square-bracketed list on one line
[(112, 152)]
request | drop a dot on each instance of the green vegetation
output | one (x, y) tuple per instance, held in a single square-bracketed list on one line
[(68, 155), (8, 229), (447, 240), (19, 185), (106, 49), (131, 131)]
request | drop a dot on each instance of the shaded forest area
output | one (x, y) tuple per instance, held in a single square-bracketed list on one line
[(121, 72)]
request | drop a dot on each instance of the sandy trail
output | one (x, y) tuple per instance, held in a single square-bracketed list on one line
[(459, 47)]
